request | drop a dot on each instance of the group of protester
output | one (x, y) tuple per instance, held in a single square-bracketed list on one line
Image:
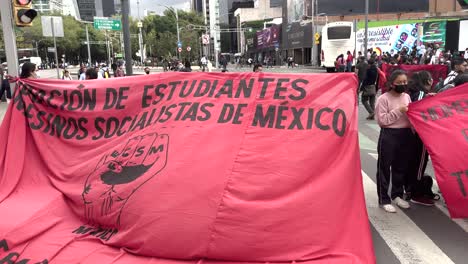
[(402, 157)]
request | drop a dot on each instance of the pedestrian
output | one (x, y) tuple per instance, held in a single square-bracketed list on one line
[(83, 74), (187, 67), (120, 72), (4, 86), (28, 71), (369, 89), (91, 74), (395, 142), (114, 67), (419, 87), (361, 69), (66, 75), (203, 63), (224, 62), (258, 68), (460, 79), (340, 64), (147, 70), (349, 61), (459, 66)]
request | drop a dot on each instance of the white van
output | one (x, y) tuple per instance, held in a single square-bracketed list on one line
[(337, 38)]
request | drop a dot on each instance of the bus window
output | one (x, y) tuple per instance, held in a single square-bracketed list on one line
[(343, 32)]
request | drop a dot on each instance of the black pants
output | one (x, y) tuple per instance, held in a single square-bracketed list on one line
[(395, 149), (5, 86), (369, 102), (417, 168)]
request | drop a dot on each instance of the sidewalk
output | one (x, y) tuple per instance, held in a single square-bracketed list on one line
[(3, 108)]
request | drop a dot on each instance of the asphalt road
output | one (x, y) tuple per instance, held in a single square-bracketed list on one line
[(419, 235)]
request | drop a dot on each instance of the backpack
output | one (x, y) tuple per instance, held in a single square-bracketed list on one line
[(426, 188)]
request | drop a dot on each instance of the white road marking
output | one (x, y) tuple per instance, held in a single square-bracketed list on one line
[(406, 240), (462, 223)]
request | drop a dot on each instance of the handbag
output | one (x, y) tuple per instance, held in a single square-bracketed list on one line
[(369, 90)]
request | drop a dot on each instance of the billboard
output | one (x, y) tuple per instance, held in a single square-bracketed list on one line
[(396, 37), (268, 37), (295, 10), (435, 32), (388, 38)]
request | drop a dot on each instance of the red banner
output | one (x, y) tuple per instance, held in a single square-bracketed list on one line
[(438, 72), (442, 123), (216, 168)]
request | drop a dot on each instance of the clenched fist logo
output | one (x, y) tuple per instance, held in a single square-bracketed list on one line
[(121, 173)]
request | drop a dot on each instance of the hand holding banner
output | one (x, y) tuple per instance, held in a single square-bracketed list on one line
[(172, 168), (442, 123)]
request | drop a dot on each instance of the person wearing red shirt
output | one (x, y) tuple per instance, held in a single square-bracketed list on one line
[(349, 62)]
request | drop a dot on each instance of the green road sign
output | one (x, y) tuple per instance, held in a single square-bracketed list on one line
[(107, 23)]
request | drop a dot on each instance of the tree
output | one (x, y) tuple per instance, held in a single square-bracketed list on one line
[(160, 33)]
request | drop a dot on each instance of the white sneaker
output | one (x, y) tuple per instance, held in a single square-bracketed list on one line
[(401, 203), (389, 208)]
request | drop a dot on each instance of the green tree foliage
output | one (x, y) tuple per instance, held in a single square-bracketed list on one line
[(160, 34)]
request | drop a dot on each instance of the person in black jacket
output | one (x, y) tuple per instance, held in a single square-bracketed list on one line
[(369, 90), (419, 86)]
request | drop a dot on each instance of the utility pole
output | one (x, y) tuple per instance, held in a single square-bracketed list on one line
[(367, 28), (140, 36), (9, 37), (126, 35), (88, 45), (178, 31), (312, 48)]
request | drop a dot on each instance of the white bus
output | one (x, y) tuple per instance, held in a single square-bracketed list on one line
[(337, 38)]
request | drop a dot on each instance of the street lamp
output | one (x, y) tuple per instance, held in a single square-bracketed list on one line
[(87, 39), (173, 10)]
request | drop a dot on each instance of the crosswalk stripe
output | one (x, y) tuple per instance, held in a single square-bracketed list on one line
[(369, 144), (462, 223), (407, 241)]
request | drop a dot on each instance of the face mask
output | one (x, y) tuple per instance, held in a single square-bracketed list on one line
[(400, 88)]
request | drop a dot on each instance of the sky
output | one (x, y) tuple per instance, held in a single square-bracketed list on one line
[(152, 5)]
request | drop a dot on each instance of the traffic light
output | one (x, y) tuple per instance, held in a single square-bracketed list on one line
[(23, 13), (463, 3)]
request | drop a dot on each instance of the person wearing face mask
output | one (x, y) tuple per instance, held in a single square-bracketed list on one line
[(395, 146), (147, 70), (419, 87)]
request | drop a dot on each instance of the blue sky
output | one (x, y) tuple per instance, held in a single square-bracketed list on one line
[(153, 5)]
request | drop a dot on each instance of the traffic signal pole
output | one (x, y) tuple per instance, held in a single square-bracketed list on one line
[(126, 36), (9, 37)]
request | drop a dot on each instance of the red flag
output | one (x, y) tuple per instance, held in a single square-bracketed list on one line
[(174, 168), (442, 123), (438, 72)]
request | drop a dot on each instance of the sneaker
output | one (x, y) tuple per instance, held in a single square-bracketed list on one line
[(389, 208), (422, 201), (401, 203), (370, 117)]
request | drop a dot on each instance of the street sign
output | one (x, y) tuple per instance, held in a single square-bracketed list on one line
[(317, 36), (47, 26), (189, 48), (140, 24), (206, 39), (51, 49), (179, 49), (179, 44), (317, 42), (107, 23)]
